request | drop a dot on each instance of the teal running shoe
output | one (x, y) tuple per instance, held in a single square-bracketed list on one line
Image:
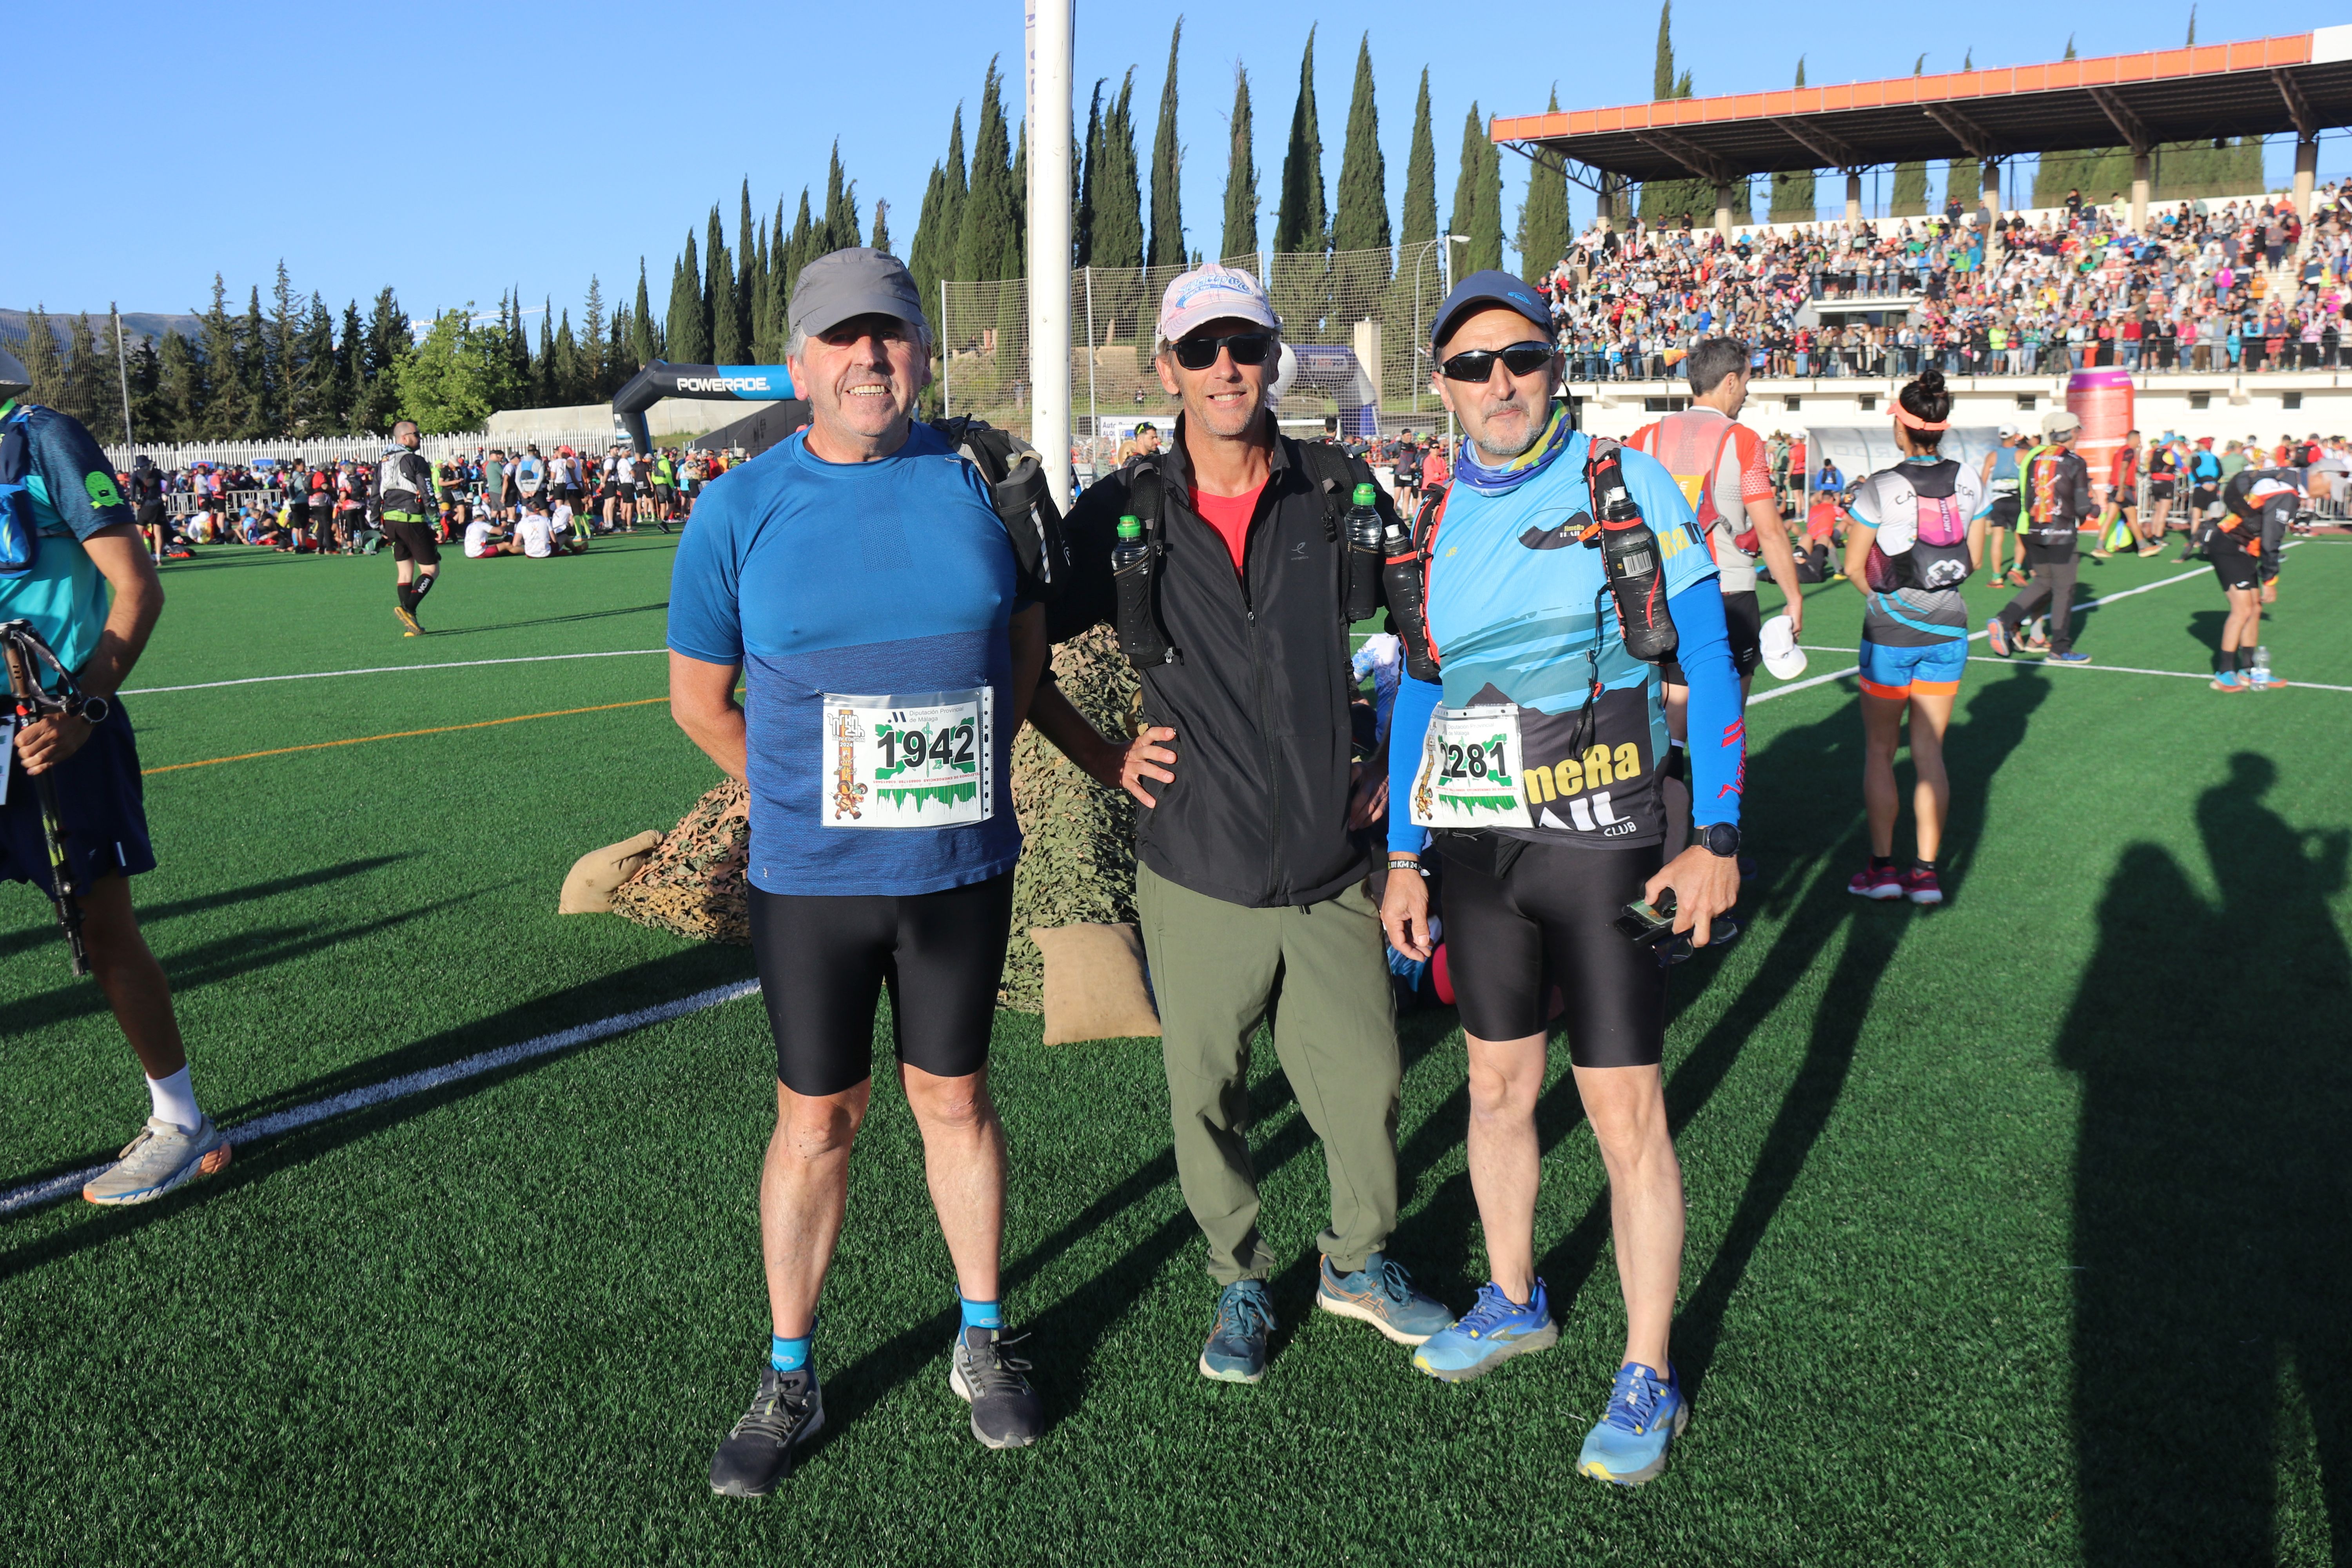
[(1489, 1334), (1382, 1294), (1646, 1413), (1236, 1349)]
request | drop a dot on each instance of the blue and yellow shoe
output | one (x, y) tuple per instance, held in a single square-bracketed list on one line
[(1382, 1294), (1489, 1334), (1236, 1349), (1646, 1413)]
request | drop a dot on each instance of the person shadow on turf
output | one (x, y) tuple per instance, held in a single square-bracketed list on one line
[(2212, 1354)]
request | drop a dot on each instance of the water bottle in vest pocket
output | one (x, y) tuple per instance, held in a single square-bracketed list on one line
[(20, 537)]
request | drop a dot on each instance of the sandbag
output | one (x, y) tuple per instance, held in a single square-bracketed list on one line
[(595, 876), (1095, 985), (695, 884)]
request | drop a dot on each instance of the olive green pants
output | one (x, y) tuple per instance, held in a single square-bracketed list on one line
[(1218, 970)]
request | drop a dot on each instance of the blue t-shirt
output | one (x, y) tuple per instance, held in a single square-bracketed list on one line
[(74, 496), (888, 578)]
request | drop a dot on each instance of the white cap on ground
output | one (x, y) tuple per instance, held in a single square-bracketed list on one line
[(1782, 656)]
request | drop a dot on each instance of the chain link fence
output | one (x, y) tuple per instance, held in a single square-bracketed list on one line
[(1377, 304)]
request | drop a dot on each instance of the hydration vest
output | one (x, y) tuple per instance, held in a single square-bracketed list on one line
[(20, 537), (1692, 445), (1923, 529)]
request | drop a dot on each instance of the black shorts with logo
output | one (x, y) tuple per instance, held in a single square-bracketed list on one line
[(101, 805), (411, 541)]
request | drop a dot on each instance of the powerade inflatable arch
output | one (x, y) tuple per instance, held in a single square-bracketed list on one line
[(725, 383)]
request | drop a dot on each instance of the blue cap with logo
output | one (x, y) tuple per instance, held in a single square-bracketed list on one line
[(1490, 287)]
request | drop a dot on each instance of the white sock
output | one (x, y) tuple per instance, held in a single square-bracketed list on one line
[(174, 1100)]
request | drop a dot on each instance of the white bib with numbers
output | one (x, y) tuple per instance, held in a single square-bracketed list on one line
[(914, 759), (1469, 776)]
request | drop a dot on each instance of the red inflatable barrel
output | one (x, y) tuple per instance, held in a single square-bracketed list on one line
[(2102, 400)]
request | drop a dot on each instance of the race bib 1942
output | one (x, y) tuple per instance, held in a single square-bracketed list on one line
[(1469, 776), (920, 760)]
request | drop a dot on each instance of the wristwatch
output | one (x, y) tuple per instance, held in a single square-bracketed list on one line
[(94, 710), (1721, 838)]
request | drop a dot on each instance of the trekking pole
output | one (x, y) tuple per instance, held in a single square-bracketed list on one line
[(21, 646)]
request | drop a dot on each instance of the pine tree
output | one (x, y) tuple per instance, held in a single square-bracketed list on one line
[(180, 390), (224, 410), (642, 350), (988, 248), (351, 369), (591, 366), (83, 395), (280, 365), (114, 364), (45, 364), (1302, 223), (1543, 218), (1241, 173), (253, 371), (1167, 199)]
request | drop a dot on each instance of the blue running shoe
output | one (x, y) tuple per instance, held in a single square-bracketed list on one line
[(1489, 1334), (1236, 1349), (1646, 1413), (1382, 1294), (2070, 656)]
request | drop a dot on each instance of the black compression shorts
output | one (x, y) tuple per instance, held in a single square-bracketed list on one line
[(1547, 920), (412, 541), (2233, 564), (823, 961), (2004, 511)]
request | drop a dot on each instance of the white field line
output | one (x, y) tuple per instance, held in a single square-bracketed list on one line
[(33, 1194), (1981, 634), (393, 669)]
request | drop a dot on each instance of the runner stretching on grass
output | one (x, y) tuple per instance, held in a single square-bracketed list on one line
[(1536, 682), (859, 579), (405, 494), (1919, 531), (2243, 546), (84, 541)]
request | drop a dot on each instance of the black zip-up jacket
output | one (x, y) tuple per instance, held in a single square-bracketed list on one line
[(1257, 814)]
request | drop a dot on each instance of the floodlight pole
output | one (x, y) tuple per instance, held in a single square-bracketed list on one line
[(122, 372), (1049, 31)]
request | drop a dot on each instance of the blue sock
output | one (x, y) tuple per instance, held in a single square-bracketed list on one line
[(789, 1356), (982, 1314)]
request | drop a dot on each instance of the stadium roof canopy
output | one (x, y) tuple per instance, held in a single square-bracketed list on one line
[(2299, 83)]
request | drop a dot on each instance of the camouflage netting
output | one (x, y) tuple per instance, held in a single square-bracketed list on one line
[(1078, 862), (695, 884)]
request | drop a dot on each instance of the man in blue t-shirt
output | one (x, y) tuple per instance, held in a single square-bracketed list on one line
[(87, 542), (859, 579)]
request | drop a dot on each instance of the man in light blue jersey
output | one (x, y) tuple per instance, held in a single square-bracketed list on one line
[(1536, 755)]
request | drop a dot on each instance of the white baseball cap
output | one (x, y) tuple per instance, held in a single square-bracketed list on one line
[(2008, 432), (1782, 656)]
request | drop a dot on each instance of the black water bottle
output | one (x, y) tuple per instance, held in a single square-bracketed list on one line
[(1365, 539), (1140, 636), (1628, 556), (1401, 578)]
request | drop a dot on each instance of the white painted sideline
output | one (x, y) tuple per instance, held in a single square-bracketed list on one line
[(33, 1194), (391, 669)]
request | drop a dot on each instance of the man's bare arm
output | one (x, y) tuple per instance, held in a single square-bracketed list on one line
[(702, 701)]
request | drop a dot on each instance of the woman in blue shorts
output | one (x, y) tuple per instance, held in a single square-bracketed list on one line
[(1919, 531)]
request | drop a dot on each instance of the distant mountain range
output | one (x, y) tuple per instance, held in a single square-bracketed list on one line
[(145, 323)]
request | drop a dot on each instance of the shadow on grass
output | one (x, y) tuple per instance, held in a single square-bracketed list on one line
[(693, 969), (155, 914), (439, 633), (2210, 1198)]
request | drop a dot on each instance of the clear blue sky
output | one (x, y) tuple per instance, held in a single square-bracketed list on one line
[(454, 149)]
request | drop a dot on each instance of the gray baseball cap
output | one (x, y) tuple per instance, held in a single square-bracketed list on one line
[(857, 281), (14, 377)]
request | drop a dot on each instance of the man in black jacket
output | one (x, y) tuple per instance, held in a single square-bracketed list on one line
[(2054, 492), (1249, 887)]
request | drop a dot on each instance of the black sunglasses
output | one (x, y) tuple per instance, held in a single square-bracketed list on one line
[(1200, 353), (1479, 364)]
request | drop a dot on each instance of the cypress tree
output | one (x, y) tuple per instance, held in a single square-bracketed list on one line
[(83, 395), (718, 274), (1543, 217), (746, 320), (688, 335), (1302, 223), (1118, 195), (988, 248), (253, 370), (1671, 201), (1240, 174), (180, 391), (1420, 174), (1463, 219), (1167, 200), (1910, 196), (1361, 222), (1792, 194), (841, 224), (1021, 204), (642, 347), (802, 245), (1090, 154), (45, 364), (923, 264), (726, 344), (1486, 244), (881, 241)]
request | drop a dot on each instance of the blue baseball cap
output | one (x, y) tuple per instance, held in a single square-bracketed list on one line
[(1490, 287)]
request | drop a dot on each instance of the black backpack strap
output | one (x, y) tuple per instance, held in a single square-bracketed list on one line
[(1142, 633), (1024, 502)]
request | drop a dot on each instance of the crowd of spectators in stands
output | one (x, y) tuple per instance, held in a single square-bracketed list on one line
[(2204, 287)]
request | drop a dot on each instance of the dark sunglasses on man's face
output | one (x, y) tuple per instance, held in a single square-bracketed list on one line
[(1248, 348), (1479, 364)]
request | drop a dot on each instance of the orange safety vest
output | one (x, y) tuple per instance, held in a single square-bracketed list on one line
[(1690, 446)]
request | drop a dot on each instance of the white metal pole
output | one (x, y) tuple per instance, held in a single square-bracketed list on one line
[(947, 392), (1094, 413), (1049, 241), (123, 370)]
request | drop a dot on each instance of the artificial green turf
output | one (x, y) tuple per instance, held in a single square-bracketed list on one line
[(2016, 1225)]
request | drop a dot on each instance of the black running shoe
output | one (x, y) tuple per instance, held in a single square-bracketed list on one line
[(757, 1454), (1005, 1411)]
